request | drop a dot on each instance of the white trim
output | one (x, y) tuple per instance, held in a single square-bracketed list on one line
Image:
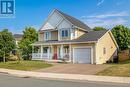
[(59, 22), (71, 23), (96, 56), (113, 38), (64, 43), (48, 53), (65, 29), (49, 35), (64, 17), (70, 52), (41, 51), (91, 48), (47, 19), (51, 47), (58, 51)]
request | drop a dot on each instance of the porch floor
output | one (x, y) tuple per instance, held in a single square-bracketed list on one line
[(85, 69)]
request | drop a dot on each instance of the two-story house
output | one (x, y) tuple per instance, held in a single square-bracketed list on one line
[(63, 37)]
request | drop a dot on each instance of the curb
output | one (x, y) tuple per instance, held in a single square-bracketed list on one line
[(25, 74)]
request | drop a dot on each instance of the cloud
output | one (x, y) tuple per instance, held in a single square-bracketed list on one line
[(105, 22), (106, 15), (108, 19), (100, 2)]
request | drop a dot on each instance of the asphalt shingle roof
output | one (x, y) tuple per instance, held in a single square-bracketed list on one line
[(92, 36)]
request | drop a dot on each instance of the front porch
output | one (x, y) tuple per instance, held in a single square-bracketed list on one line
[(52, 52)]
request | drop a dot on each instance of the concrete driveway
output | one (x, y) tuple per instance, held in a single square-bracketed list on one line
[(85, 69)]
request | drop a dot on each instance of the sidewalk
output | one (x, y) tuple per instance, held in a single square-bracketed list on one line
[(66, 76)]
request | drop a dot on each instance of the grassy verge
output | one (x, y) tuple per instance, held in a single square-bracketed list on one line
[(122, 69), (24, 65)]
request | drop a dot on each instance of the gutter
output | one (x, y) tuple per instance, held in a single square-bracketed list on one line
[(66, 43)]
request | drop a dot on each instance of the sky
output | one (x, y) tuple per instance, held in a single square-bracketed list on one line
[(105, 13)]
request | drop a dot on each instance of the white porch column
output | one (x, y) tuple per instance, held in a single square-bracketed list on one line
[(51, 52), (48, 53), (41, 51), (70, 57), (61, 52)]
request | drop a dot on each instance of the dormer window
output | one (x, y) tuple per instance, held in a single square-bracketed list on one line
[(64, 33), (47, 35)]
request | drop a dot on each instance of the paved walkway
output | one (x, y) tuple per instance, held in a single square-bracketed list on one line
[(66, 76), (84, 69)]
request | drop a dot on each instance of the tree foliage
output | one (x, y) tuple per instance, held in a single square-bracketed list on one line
[(99, 28), (7, 43), (122, 36), (29, 36)]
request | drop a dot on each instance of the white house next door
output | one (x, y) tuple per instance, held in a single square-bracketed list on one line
[(82, 55)]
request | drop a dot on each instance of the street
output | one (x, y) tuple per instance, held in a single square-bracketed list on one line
[(12, 81)]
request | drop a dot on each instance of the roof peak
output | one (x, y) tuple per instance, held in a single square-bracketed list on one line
[(74, 21)]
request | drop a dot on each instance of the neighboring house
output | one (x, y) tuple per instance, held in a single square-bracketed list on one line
[(17, 37), (63, 37)]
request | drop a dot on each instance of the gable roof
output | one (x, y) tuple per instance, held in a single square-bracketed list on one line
[(92, 36), (74, 21), (71, 19)]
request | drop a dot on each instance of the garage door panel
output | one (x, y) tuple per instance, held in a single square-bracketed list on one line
[(82, 55)]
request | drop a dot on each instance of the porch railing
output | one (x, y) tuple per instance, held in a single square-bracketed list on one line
[(40, 56), (66, 56)]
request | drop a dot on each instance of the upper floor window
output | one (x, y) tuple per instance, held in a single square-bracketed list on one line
[(64, 33), (47, 35)]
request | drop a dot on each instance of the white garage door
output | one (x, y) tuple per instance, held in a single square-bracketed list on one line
[(82, 55)]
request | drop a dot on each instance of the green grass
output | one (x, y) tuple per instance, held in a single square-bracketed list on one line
[(24, 65), (122, 69)]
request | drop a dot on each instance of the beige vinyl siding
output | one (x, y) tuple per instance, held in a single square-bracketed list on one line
[(105, 42), (79, 33)]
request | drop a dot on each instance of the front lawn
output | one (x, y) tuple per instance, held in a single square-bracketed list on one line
[(24, 65), (121, 69)]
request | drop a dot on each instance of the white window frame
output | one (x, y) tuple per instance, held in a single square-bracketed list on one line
[(47, 35), (64, 36)]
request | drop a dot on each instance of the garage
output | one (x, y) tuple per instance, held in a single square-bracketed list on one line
[(82, 55)]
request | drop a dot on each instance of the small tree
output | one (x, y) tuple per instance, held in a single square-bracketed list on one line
[(29, 36), (7, 43), (122, 36), (99, 28)]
